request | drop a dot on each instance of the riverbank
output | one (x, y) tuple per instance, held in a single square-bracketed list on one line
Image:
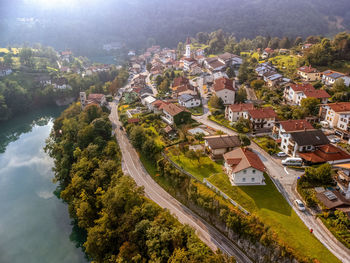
[(34, 224)]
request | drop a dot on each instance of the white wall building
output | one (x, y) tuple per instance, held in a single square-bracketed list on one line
[(244, 167)]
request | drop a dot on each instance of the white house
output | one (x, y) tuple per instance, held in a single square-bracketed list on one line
[(330, 76), (236, 111), (147, 101), (60, 83), (284, 129), (308, 73), (225, 89), (189, 101), (244, 167), (337, 115), (294, 93), (4, 71), (263, 118)]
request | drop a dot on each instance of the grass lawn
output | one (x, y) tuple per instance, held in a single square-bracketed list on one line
[(272, 209), (267, 144), (196, 110), (285, 61), (204, 169), (220, 119)]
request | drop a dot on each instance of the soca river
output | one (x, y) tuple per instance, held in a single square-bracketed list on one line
[(34, 223)]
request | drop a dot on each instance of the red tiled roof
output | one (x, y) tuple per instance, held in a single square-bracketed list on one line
[(262, 113), (223, 83), (269, 50), (159, 104), (180, 81), (243, 158), (302, 87), (308, 69), (317, 93), (296, 125), (340, 106), (241, 107), (310, 91), (325, 153), (133, 120)]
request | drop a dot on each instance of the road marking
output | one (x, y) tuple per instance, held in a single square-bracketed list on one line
[(285, 169)]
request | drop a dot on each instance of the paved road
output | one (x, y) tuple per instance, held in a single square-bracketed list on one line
[(286, 182), (132, 166)]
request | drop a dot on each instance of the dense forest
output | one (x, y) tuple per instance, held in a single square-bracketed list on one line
[(137, 23), (119, 224)]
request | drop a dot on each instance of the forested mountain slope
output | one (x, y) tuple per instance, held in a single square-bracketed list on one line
[(134, 21)]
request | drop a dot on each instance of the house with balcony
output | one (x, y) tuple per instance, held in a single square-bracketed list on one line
[(337, 115), (234, 112), (283, 130), (308, 73), (262, 119), (244, 167), (294, 93)]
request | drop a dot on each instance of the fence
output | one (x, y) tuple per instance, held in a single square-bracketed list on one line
[(208, 184)]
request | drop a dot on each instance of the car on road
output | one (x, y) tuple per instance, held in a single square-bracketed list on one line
[(334, 139), (292, 161), (300, 205), (281, 154)]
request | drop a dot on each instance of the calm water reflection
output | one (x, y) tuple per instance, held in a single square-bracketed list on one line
[(34, 224)]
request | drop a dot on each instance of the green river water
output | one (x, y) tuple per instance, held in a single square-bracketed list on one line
[(34, 224)]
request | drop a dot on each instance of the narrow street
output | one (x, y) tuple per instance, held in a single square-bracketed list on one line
[(285, 180), (132, 165)]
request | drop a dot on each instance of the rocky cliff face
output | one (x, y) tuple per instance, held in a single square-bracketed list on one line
[(255, 250)]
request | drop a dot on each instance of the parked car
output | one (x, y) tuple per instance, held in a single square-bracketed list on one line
[(300, 205), (334, 139), (293, 161), (281, 154)]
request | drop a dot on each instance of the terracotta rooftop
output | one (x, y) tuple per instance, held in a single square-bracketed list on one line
[(243, 158), (223, 83), (308, 69), (296, 125), (241, 107), (325, 153), (310, 91), (180, 81), (340, 106), (262, 113), (135, 120)]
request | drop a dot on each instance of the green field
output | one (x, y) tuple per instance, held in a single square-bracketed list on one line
[(202, 169), (284, 62), (267, 144), (266, 203), (272, 209)]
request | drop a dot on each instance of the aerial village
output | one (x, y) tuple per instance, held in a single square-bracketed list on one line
[(191, 103)]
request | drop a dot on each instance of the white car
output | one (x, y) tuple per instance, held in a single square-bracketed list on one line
[(334, 139), (300, 205), (281, 154)]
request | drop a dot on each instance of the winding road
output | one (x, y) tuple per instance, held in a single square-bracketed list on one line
[(132, 165)]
